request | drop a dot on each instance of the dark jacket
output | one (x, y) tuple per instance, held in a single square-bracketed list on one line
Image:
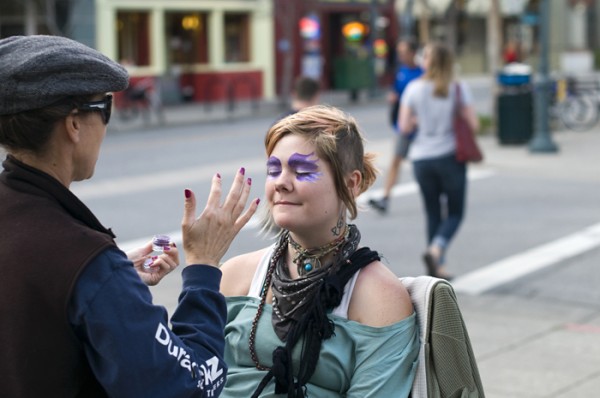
[(47, 236), (75, 318)]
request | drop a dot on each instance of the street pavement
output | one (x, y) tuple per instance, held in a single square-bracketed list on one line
[(527, 344)]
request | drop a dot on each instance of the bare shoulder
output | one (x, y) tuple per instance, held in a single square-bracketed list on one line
[(379, 297), (238, 272)]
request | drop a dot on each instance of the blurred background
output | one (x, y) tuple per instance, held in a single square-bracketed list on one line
[(213, 50)]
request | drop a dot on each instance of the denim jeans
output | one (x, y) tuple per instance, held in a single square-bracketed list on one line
[(443, 185)]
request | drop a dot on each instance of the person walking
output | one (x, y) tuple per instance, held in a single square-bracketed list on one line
[(76, 318), (408, 71), (315, 314), (430, 103)]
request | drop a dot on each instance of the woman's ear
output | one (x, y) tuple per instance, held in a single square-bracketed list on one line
[(72, 126), (354, 182)]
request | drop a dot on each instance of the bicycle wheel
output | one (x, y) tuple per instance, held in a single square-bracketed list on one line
[(579, 113)]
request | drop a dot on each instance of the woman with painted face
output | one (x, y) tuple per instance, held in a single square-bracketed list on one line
[(315, 313)]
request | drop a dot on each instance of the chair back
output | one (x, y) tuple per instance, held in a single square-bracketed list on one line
[(447, 366)]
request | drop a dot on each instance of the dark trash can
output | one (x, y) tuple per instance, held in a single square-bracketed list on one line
[(515, 105)]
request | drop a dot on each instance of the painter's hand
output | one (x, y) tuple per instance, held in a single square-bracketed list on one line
[(206, 238), (159, 267)]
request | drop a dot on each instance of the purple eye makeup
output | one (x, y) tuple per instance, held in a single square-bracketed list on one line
[(273, 167), (304, 168)]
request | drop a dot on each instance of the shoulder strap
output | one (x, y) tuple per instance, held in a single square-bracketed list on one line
[(333, 287), (361, 258), (457, 96)]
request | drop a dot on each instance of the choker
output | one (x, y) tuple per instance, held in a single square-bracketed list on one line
[(308, 260)]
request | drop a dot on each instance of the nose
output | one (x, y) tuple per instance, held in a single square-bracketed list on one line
[(284, 181)]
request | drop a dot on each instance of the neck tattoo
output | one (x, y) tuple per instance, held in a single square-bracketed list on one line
[(337, 230), (308, 260)]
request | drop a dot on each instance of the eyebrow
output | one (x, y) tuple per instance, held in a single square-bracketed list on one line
[(273, 161), (298, 159)]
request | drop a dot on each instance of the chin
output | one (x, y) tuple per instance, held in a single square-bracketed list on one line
[(284, 221)]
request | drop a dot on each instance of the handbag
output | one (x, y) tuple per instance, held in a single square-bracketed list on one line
[(467, 149)]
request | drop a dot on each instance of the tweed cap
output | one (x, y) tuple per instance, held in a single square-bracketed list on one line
[(36, 71)]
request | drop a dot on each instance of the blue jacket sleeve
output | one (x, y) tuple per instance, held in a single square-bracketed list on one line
[(128, 342)]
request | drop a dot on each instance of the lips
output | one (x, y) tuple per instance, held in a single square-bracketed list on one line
[(286, 203)]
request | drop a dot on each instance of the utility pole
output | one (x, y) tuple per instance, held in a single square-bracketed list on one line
[(541, 141), (407, 20), (494, 36), (372, 37)]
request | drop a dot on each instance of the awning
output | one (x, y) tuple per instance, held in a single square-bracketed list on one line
[(507, 7), (478, 8), (423, 7)]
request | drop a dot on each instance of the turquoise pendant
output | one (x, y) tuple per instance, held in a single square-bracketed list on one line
[(308, 265)]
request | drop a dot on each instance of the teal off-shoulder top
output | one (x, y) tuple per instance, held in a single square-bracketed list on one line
[(358, 361)]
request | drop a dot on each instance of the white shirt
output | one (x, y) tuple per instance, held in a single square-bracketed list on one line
[(435, 135)]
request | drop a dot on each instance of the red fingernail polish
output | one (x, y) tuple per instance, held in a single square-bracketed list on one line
[(249, 181), (167, 248), (218, 175), (243, 170), (258, 201), (174, 245), (188, 193)]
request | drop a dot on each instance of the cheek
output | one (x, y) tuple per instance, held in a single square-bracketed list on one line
[(269, 189)]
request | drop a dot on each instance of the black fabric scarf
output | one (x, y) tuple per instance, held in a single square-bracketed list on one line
[(308, 317), (291, 297)]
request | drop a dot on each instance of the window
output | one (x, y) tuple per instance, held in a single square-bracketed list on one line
[(187, 38), (133, 38), (237, 40)]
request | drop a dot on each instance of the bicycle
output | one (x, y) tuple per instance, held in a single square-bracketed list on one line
[(576, 103), (140, 98)]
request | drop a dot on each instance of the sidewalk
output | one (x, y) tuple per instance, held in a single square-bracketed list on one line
[(529, 346)]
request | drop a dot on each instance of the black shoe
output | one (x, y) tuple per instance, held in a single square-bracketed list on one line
[(430, 264), (379, 204), (433, 267)]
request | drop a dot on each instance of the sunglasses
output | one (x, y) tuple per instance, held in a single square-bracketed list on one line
[(103, 106)]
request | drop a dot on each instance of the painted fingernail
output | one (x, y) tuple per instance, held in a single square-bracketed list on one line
[(258, 201), (154, 258), (187, 193), (167, 248), (174, 245), (218, 175), (243, 170), (249, 181)]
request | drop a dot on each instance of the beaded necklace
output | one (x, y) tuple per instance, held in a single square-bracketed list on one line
[(308, 260), (263, 299), (346, 247)]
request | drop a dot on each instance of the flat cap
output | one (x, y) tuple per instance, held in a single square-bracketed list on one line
[(36, 71)]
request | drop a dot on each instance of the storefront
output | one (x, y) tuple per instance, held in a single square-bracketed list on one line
[(342, 43), (200, 50)]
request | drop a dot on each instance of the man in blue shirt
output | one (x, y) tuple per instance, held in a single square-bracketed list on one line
[(408, 70)]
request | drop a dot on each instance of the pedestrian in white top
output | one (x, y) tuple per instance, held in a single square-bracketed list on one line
[(429, 103)]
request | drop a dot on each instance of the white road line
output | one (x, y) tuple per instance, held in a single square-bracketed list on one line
[(535, 259)]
